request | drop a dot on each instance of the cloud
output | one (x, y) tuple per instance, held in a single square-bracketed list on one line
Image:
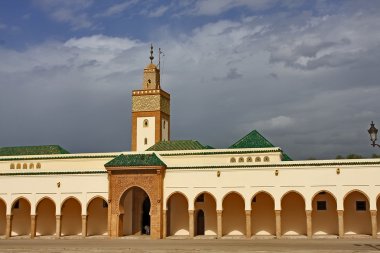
[(223, 77), (159, 11), (70, 12), (276, 123), (318, 43), (117, 8), (215, 7), (2, 26)]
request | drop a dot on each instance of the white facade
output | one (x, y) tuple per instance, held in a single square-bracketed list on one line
[(262, 188), (146, 132)]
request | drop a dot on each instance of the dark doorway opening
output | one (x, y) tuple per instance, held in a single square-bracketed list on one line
[(146, 217), (200, 222)]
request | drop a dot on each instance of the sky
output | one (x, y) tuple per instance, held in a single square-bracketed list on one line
[(304, 73)]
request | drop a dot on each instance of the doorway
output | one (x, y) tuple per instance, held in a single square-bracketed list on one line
[(200, 222), (146, 217)]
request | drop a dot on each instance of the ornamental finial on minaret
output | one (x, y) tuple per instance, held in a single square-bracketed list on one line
[(151, 53)]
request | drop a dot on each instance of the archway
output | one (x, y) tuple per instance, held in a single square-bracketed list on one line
[(233, 215), (71, 223), (45, 219), (207, 203), (97, 215), (324, 214), (200, 223), (134, 212), (3, 217), (293, 215), (263, 221), (21, 217), (177, 215), (356, 215)]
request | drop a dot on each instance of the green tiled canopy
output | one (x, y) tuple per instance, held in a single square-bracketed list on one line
[(252, 140), (177, 145), (32, 150), (135, 160)]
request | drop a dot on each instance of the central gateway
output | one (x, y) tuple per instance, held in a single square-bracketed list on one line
[(135, 195)]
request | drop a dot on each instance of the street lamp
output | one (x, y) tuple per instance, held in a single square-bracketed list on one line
[(373, 134)]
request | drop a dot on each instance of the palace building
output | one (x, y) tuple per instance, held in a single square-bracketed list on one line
[(168, 188)]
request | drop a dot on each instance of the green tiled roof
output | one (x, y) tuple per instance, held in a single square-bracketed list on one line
[(135, 160), (177, 145), (252, 140), (32, 150), (285, 157)]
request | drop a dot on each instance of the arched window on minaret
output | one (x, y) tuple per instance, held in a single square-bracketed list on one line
[(146, 141), (146, 123)]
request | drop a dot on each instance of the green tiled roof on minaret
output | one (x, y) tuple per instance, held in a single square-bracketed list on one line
[(33, 150), (135, 160), (252, 140)]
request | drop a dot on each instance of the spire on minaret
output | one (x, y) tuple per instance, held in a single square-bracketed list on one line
[(151, 53)]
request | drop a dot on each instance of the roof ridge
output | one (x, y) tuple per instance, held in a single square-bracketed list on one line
[(259, 141)]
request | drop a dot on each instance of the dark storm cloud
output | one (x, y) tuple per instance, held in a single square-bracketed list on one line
[(224, 81)]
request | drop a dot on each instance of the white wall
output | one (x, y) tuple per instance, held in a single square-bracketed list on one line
[(145, 132)]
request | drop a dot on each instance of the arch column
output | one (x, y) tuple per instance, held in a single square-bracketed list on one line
[(374, 223), (340, 223), (309, 230), (278, 223), (84, 226), (32, 226), (219, 223), (191, 223), (164, 222), (8, 230), (248, 227), (58, 226)]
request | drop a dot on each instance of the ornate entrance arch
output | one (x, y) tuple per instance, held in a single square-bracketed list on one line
[(123, 176)]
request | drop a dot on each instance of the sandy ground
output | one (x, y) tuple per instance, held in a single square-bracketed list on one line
[(210, 246)]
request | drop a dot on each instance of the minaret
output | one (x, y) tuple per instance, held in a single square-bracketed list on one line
[(150, 110)]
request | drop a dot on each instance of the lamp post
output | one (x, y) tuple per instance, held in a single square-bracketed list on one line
[(373, 135)]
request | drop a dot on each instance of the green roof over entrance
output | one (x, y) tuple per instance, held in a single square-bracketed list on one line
[(32, 150), (252, 140), (135, 160), (177, 145)]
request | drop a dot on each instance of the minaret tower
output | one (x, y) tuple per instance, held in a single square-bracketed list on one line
[(150, 110)]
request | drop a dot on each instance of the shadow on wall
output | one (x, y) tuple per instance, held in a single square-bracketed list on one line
[(293, 215), (45, 220), (21, 217), (233, 215), (71, 218)]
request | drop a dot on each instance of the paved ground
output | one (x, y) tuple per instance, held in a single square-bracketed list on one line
[(176, 246)]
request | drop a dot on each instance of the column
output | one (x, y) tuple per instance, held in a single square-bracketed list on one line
[(278, 223), (32, 226), (191, 223), (58, 226), (248, 215), (219, 223), (374, 223), (8, 232), (164, 224), (340, 223), (309, 230), (84, 226)]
